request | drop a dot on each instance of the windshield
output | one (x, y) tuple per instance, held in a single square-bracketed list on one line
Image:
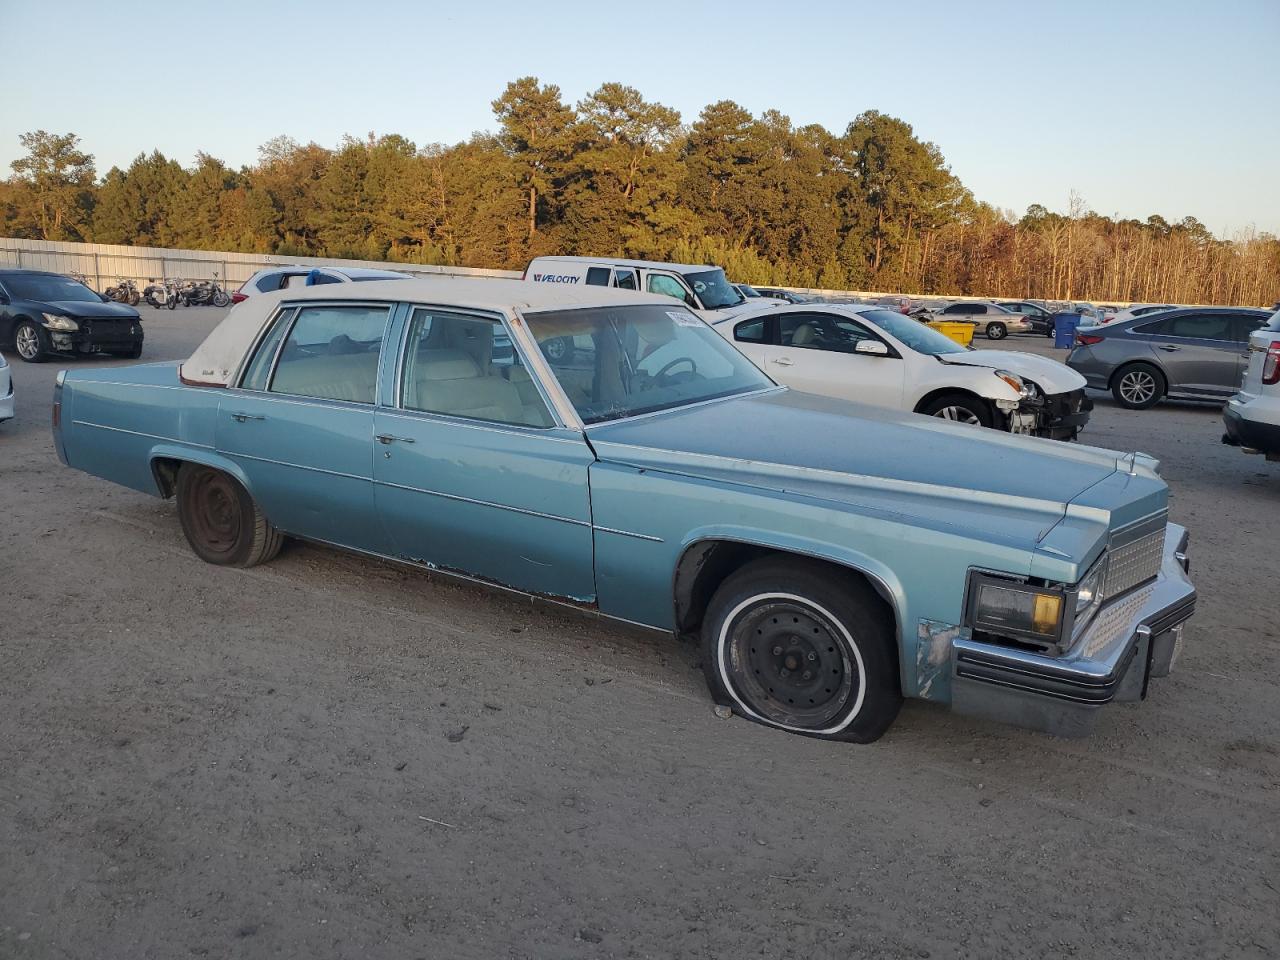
[(621, 361), (713, 289), (49, 287), (748, 291), (913, 333)]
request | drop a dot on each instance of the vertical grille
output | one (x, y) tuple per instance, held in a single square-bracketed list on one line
[(1133, 563)]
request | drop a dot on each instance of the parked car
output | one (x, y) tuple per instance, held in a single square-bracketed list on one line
[(1138, 310), (994, 322), (1252, 416), (702, 288), (6, 391), (1189, 354), (868, 354), (831, 557), (755, 296), (47, 313), (286, 277), (1041, 320), (786, 296)]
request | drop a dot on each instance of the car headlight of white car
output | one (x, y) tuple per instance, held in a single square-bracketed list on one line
[(56, 321), (1025, 388)]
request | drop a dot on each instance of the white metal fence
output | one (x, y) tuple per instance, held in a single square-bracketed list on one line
[(102, 264)]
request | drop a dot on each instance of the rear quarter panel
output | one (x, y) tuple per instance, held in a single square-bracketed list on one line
[(116, 420)]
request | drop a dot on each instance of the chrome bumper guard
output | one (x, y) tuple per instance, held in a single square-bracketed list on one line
[(1133, 639)]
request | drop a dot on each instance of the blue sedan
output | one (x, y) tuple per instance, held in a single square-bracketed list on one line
[(830, 558)]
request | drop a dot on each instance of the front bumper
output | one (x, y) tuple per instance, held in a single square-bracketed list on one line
[(1134, 639), (6, 394), (1060, 416), (1253, 435), (96, 336)]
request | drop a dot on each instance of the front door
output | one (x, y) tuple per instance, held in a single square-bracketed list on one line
[(816, 353), (472, 474), (300, 423)]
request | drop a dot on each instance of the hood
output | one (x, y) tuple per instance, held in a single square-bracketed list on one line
[(914, 468), (1052, 376), (88, 310)]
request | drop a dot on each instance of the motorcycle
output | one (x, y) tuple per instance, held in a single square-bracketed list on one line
[(205, 293), (124, 291), (163, 294)]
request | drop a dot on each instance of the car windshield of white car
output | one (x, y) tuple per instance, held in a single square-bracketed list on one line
[(713, 289), (615, 362), (913, 333)]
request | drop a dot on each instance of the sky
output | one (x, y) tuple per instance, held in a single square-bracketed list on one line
[(1140, 107)]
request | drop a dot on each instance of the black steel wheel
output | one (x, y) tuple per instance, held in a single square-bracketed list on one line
[(794, 644), (220, 520)]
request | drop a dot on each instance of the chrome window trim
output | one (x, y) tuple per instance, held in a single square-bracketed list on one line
[(492, 426), (536, 363), (776, 388), (242, 368), (503, 322)]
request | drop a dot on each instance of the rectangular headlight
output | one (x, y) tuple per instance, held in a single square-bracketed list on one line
[(1016, 610)]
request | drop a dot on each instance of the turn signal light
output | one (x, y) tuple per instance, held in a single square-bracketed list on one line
[(1271, 365), (1087, 339)]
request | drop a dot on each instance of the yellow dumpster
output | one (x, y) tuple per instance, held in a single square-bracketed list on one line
[(961, 333)]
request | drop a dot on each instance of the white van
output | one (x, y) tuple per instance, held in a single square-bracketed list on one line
[(703, 288)]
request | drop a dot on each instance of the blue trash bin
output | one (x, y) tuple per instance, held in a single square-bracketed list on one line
[(1064, 329)]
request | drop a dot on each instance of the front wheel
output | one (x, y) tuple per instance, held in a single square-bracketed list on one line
[(220, 299), (961, 408), (221, 522), (28, 340), (997, 331), (171, 303), (791, 643)]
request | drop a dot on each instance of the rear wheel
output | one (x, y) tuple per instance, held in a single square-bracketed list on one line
[(792, 644), (221, 522), (1138, 386), (29, 341), (997, 331), (961, 408)]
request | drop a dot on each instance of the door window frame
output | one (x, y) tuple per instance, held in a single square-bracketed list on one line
[(296, 307), (397, 397), (836, 319), (1177, 336)]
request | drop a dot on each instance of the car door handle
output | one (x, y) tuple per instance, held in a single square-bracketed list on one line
[(1169, 348), (242, 417), (783, 361), (385, 438)]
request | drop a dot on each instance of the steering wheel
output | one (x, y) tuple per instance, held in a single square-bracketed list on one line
[(693, 367)]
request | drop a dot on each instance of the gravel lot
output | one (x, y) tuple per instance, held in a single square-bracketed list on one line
[(330, 756)]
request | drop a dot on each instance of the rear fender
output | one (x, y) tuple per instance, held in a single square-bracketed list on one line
[(162, 453)]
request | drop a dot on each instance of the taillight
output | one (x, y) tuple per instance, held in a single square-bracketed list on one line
[(238, 297), (1271, 365), (1087, 339)]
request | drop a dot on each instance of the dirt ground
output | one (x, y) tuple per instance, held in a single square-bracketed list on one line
[(330, 756)]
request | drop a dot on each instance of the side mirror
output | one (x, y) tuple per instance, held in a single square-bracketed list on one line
[(872, 348)]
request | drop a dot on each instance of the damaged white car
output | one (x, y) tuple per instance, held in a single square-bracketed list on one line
[(872, 355)]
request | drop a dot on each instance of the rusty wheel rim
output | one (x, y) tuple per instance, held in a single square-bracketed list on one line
[(216, 517)]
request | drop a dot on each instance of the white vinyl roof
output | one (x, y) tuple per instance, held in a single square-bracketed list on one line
[(215, 361)]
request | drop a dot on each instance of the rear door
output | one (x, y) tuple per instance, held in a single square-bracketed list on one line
[(472, 472), (1198, 352), (300, 422)]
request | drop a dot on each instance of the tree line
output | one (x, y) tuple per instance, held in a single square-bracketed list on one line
[(872, 208)]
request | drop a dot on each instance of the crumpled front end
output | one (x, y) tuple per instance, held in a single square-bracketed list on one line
[(1133, 638), (1058, 416)]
